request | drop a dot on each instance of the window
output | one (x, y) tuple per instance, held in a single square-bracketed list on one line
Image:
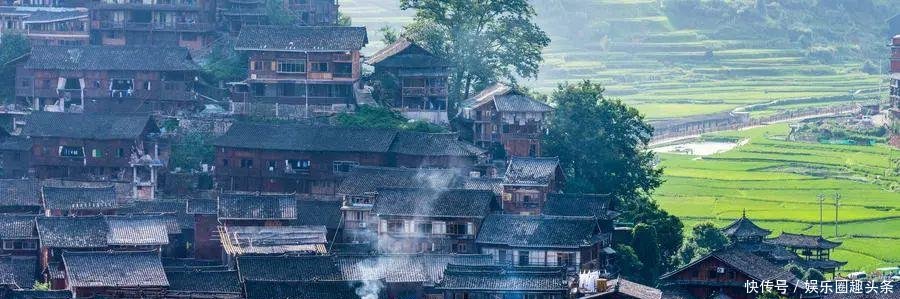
[(565, 258), (260, 65), (292, 66), (146, 85), (502, 256), (459, 248), (259, 90), (395, 226), (96, 153), (343, 69), (225, 162), (120, 152), (298, 165), (456, 228), (246, 163), (344, 166), (19, 244), (423, 227), (271, 164), (320, 67), (523, 258), (71, 151), (121, 84)]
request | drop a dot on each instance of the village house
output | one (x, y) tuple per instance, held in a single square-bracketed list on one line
[(272, 240), (15, 156), (236, 13), (119, 79), (501, 117), (727, 272), (129, 274), (360, 186), (466, 281), (17, 272), (528, 181), (253, 209), (206, 243), (574, 243), (219, 284), (812, 251), (314, 159), (313, 69), (621, 288), (259, 289), (91, 147), (399, 275), (20, 196), (66, 201), (430, 220), (47, 25), (412, 81), (168, 23), (18, 235)]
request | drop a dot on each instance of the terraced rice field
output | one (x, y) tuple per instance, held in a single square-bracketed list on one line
[(777, 183)]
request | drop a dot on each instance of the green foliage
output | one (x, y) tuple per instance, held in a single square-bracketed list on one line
[(389, 35), (707, 236), (645, 246), (795, 269), (41, 286), (380, 117), (486, 40), (813, 274), (669, 229), (278, 14), (344, 20), (627, 262), (601, 143), (191, 150), (12, 46), (224, 64)]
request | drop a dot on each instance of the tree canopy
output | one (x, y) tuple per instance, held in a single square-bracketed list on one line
[(644, 241), (486, 40), (380, 117)]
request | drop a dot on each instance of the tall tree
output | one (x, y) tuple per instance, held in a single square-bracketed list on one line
[(601, 143), (486, 40), (645, 247), (12, 46), (627, 262), (708, 237)]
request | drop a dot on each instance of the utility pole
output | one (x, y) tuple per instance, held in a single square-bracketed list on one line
[(821, 198), (837, 204)]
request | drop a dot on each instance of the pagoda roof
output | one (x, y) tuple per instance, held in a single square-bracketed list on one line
[(743, 228), (803, 241)]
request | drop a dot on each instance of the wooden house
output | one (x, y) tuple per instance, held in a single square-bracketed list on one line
[(465, 281), (237, 13), (18, 235), (119, 79), (502, 117), (412, 81), (528, 181), (129, 274), (169, 23), (20, 196), (47, 25), (313, 68)]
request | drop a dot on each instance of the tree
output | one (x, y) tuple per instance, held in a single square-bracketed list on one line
[(795, 269), (601, 143), (191, 150), (380, 117), (708, 237), (645, 246), (278, 14), (486, 40), (627, 262), (813, 274), (40, 286), (344, 20), (12, 46), (224, 64), (389, 35)]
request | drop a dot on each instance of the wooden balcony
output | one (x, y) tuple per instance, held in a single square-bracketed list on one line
[(424, 91), (155, 26)]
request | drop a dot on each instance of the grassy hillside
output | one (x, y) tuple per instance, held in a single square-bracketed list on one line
[(777, 182)]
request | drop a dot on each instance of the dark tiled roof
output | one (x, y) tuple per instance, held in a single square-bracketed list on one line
[(744, 228), (79, 198), (497, 278), (257, 206), (20, 193), (32, 294), (15, 143), (136, 230), (319, 212), (506, 99), (582, 205), (305, 290), (537, 231), (627, 288), (86, 126), (176, 209), (238, 240), (301, 39), (803, 241), (110, 58), (19, 270), (433, 202), (17, 227), (72, 232), (531, 171), (306, 138), (363, 179), (114, 269), (821, 264), (490, 184), (392, 268), (753, 265), (202, 206), (204, 281), (406, 54), (433, 144)]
